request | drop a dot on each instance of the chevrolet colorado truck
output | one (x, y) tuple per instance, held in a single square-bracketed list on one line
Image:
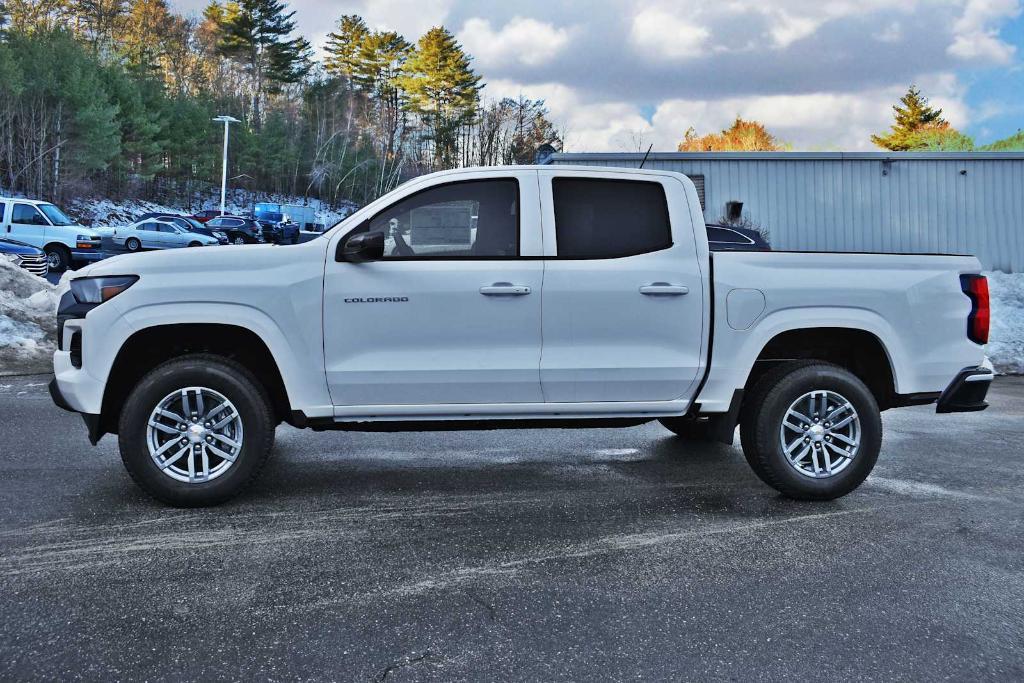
[(516, 297)]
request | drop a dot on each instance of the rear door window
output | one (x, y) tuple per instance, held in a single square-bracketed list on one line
[(600, 219)]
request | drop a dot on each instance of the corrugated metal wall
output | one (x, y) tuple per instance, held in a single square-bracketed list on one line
[(919, 203)]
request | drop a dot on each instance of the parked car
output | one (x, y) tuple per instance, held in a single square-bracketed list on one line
[(518, 297), (43, 225), (240, 230), (285, 232), (733, 238), (25, 256), (187, 223), (206, 214), (158, 234), (303, 216)]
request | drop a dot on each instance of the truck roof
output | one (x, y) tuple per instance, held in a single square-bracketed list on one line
[(35, 202)]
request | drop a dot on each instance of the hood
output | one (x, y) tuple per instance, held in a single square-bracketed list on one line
[(222, 259), (15, 247)]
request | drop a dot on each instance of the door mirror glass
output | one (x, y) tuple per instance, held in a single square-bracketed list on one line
[(362, 247)]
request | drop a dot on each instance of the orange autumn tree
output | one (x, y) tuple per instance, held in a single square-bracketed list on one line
[(741, 136)]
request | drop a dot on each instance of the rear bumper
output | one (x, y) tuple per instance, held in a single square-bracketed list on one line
[(966, 393)]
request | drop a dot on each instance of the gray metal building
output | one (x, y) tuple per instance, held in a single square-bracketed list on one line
[(968, 203)]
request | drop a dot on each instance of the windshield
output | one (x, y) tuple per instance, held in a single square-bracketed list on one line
[(193, 223), (56, 216)]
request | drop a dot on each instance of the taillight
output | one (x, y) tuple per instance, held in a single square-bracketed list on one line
[(976, 287)]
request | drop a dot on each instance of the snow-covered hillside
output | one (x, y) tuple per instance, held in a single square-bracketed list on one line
[(105, 212)]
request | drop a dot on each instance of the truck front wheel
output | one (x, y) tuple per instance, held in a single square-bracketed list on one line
[(196, 430), (811, 430)]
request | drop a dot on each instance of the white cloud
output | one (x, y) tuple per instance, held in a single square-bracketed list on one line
[(789, 29), (522, 40), (807, 121), (411, 18), (588, 126), (975, 38), (661, 34)]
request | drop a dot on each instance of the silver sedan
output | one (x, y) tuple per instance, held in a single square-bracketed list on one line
[(156, 234)]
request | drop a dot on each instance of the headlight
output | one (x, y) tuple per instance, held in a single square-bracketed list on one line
[(13, 258), (96, 290), (219, 235)]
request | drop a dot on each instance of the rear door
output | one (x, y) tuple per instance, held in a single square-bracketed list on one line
[(623, 301), (169, 237)]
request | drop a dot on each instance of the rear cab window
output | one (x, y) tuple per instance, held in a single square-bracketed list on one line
[(598, 218)]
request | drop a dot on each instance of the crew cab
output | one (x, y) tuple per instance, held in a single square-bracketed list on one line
[(43, 225), (516, 297)]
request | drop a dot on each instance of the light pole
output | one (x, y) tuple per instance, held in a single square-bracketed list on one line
[(227, 120)]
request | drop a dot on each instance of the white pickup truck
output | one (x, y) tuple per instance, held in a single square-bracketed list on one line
[(516, 297)]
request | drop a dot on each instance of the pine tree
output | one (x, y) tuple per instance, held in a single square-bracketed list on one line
[(144, 30), (914, 114), (343, 45), (255, 33), (441, 88)]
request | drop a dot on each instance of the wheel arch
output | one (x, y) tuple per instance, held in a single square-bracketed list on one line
[(147, 348), (856, 349)]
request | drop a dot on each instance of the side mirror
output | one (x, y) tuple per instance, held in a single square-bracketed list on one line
[(362, 247)]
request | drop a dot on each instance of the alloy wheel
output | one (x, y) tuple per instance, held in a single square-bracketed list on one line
[(194, 434), (820, 434)]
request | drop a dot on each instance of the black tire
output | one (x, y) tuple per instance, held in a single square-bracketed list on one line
[(238, 239), (58, 257), (688, 428), (765, 408), (220, 374), (133, 244), (194, 244)]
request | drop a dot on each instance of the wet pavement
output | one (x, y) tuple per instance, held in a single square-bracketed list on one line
[(555, 555)]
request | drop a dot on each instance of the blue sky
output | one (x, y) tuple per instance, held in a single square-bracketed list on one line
[(822, 74), (1001, 88)]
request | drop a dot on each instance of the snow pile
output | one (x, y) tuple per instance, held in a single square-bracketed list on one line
[(1006, 340), (28, 323)]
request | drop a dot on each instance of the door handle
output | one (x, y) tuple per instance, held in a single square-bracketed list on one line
[(664, 289), (504, 289)]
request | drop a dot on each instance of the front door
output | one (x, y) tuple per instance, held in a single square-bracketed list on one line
[(623, 300), (28, 225), (451, 314)]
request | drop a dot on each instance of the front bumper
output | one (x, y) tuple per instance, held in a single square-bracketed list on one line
[(966, 393), (88, 254), (92, 422)]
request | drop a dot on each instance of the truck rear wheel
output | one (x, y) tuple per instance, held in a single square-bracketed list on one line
[(811, 430), (196, 431)]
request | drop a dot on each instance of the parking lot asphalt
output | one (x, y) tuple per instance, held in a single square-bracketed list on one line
[(526, 555)]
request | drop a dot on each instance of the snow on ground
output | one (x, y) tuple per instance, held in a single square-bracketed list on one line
[(1006, 341), (28, 324), (105, 212)]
